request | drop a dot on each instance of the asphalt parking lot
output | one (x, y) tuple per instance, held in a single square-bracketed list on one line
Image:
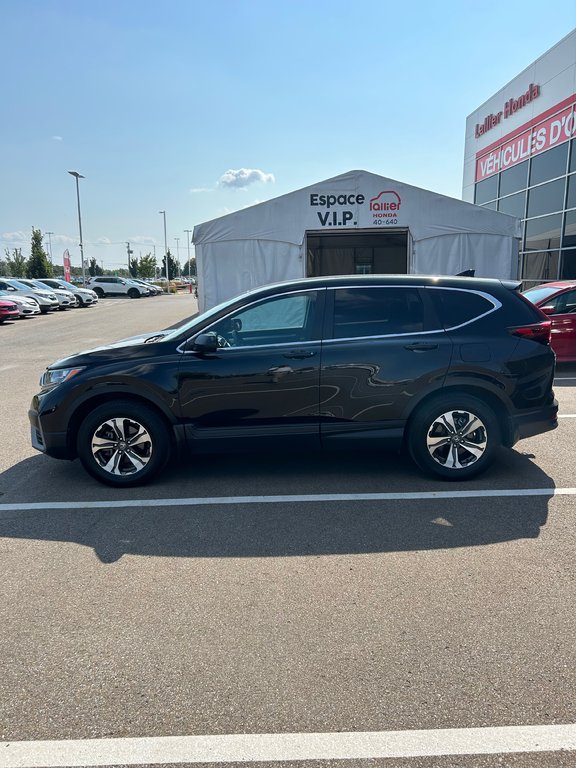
[(331, 610)]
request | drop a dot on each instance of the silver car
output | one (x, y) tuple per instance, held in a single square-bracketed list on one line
[(84, 296), (65, 300), (26, 307), (46, 299)]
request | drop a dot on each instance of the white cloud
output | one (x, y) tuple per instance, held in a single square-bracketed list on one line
[(15, 237), (243, 177), (142, 240), (195, 190), (57, 138)]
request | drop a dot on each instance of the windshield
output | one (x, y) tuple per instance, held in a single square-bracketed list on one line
[(19, 285), (536, 295)]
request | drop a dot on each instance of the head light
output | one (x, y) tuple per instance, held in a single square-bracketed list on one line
[(51, 378)]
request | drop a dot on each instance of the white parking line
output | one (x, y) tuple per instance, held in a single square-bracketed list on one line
[(200, 501), (272, 747), (567, 415)]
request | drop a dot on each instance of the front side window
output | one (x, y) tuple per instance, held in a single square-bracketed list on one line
[(365, 312), (564, 303), (279, 320)]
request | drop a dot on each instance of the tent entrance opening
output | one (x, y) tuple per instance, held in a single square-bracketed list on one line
[(358, 253)]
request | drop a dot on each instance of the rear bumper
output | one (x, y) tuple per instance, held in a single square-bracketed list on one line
[(530, 423)]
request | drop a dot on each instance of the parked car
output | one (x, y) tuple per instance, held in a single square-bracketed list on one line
[(116, 286), (84, 296), (8, 310), (26, 307), (153, 289), (558, 301), (46, 300), (65, 300), (452, 367)]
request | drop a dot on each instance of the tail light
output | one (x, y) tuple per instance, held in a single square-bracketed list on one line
[(539, 332)]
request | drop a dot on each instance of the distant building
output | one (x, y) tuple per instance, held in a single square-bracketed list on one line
[(520, 159)]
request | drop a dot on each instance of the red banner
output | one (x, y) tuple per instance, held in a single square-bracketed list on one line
[(66, 266), (545, 135)]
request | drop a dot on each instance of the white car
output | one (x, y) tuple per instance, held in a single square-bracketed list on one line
[(117, 286), (65, 299), (84, 296), (26, 307), (46, 299)]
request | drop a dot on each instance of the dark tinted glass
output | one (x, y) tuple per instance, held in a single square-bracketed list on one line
[(569, 230), (573, 156), (549, 164), (456, 307), (571, 201), (568, 264), (486, 190), (377, 312), (513, 205), (541, 265), (514, 178), (546, 199), (563, 303), (543, 234)]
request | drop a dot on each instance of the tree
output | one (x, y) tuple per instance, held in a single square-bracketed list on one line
[(93, 268), (16, 264), (4, 266), (192, 265), (172, 266), (38, 265), (133, 267), (147, 266)]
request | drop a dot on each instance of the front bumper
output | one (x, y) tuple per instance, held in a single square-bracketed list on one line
[(51, 443)]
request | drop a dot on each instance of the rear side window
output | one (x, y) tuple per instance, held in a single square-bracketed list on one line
[(456, 307), (365, 312)]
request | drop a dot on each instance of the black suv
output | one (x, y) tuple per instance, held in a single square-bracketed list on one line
[(453, 367)]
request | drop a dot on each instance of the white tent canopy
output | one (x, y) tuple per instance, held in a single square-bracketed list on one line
[(267, 242)]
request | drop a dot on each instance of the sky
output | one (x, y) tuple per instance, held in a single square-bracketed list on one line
[(203, 108)]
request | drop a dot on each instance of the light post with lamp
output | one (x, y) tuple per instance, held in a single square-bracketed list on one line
[(79, 176), (50, 244), (188, 246)]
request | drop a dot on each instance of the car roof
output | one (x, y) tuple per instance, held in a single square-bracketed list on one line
[(448, 281), (559, 284)]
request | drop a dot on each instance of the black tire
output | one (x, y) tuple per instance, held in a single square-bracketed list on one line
[(79, 302), (441, 432), (134, 293), (116, 465), (99, 292), (44, 310)]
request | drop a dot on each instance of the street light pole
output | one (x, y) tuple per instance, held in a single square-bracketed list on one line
[(188, 245), (79, 176), (50, 244), (163, 213)]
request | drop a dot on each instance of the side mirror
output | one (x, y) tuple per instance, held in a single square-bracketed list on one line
[(205, 343), (548, 310)]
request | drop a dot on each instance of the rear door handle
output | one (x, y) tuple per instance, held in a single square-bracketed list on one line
[(299, 354), (420, 347)]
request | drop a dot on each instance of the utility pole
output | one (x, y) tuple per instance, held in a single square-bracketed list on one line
[(178, 255), (163, 213), (130, 252), (50, 244), (79, 176)]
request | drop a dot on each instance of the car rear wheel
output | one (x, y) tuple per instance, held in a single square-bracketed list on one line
[(454, 437), (134, 293), (123, 443)]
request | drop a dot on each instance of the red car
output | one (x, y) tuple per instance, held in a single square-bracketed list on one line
[(8, 311), (558, 301)]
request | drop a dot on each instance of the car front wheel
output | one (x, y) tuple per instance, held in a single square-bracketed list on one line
[(99, 292), (134, 293), (454, 437), (123, 443)]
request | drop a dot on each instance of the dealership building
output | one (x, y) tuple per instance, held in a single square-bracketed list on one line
[(520, 159)]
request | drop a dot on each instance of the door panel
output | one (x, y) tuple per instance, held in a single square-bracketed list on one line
[(368, 383)]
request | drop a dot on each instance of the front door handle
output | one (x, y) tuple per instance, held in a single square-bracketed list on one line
[(420, 347), (299, 354)]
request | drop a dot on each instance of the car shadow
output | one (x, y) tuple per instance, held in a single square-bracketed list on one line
[(284, 528)]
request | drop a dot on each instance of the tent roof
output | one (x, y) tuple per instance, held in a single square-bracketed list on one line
[(286, 218)]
